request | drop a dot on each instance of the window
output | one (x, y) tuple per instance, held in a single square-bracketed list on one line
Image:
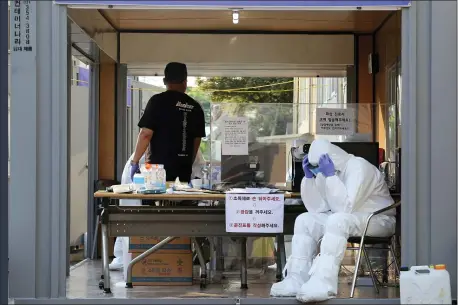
[(393, 121)]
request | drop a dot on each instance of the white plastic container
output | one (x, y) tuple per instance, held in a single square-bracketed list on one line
[(425, 285)]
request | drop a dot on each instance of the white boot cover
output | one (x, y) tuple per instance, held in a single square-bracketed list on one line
[(297, 274), (324, 274), (117, 262), (297, 267)]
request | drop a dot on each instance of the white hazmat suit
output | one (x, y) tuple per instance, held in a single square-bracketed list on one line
[(338, 207), (117, 262)]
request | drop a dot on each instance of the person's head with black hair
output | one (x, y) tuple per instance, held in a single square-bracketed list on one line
[(176, 76)]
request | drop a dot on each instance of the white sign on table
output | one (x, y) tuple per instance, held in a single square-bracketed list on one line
[(235, 137), (335, 121), (254, 213)]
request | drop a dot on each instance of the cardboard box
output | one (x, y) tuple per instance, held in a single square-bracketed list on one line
[(142, 243), (171, 269)]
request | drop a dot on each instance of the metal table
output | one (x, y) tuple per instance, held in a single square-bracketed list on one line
[(174, 221)]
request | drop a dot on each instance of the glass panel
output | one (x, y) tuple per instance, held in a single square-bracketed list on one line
[(393, 111), (391, 135), (399, 90), (267, 152)]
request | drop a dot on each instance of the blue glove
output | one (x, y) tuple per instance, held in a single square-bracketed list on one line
[(326, 166), (134, 169), (305, 165)]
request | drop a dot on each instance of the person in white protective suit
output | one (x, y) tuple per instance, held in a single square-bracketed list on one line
[(339, 191), (117, 263)]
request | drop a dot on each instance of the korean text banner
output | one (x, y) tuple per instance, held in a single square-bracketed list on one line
[(239, 4)]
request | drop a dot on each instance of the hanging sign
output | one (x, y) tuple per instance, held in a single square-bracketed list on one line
[(335, 121), (243, 4), (255, 213)]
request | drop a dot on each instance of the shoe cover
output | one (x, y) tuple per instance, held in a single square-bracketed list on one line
[(274, 266), (324, 278), (117, 250), (116, 264), (298, 274)]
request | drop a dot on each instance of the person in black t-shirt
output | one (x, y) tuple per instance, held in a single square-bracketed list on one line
[(171, 127)]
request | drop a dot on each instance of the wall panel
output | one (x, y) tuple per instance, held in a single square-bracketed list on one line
[(232, 49), (365, 88), (107, 117), (388, 46)]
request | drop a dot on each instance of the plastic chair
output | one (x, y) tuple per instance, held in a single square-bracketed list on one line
[(100, 185), (369, 240)]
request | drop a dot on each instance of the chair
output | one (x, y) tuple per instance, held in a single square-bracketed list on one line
[(99, 185), (368, 240)]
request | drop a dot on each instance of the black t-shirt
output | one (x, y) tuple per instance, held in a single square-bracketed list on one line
[(176, 120)]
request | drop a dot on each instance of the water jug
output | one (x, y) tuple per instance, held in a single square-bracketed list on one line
[(425, 285)]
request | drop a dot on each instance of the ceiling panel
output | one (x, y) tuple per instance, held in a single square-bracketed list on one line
[(206, 70), (90, 21), (81, 43), (353, 21)]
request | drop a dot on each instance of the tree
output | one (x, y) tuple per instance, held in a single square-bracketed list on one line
[(259, 89), (246, 93), (204, 99)]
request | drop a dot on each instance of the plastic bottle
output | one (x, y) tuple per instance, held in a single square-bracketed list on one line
[(205, 177), (149, 185), (161, 182)]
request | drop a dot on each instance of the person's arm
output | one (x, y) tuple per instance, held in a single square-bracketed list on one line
[(147, 126), (143, 139), (311, 196), (348, 197)]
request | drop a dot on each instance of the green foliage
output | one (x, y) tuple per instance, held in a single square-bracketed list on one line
[(265, 93), (203, 98), (268, 120)]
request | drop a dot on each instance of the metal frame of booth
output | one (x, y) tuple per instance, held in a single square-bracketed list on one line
[(4, 180), (38, 217)]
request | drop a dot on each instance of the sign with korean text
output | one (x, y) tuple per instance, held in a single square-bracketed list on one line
[(337, 4), (254, 213), (235, 137), (22, 27), (335, 121)]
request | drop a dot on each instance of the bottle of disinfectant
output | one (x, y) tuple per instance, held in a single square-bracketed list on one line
[(425, 285)]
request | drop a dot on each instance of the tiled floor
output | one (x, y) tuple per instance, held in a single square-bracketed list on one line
[(84, 279)]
